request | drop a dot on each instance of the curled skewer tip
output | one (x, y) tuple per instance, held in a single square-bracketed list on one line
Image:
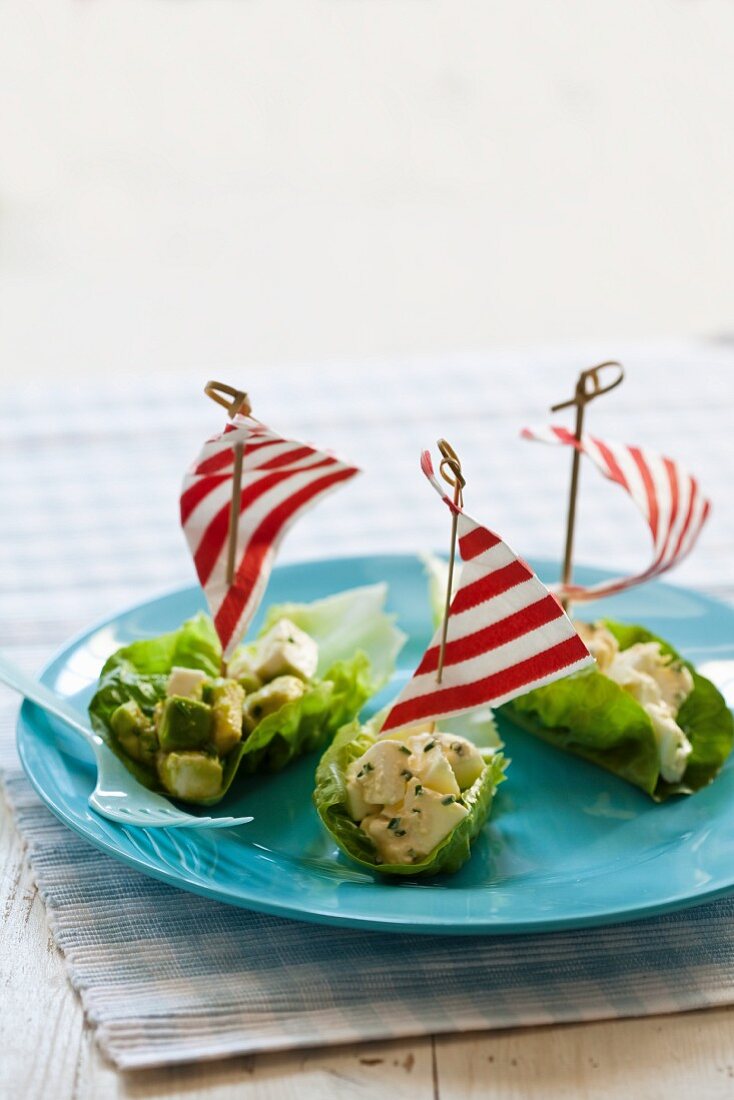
[(450, 468), (590, 385), (233, 400)]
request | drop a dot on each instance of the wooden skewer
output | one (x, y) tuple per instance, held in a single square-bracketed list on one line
[(234, 401), (588, 387), (450, 470), (234, 511)]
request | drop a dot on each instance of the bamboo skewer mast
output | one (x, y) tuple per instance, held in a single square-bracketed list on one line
[(234, 511), (588, 387), (450, 470), (234, 401)]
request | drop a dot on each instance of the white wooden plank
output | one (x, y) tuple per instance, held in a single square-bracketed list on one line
[(656, 1058), (40, 1019), (401, 1071)]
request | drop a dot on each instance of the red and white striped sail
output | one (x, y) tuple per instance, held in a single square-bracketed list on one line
[(281, 478), (506, 633), (668, 496)]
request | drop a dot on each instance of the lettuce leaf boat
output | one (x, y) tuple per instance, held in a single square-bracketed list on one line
[(592, 716), (132, 709), (332, 797)]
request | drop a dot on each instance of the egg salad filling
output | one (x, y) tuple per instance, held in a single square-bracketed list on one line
[(659, 683), (405, 791)]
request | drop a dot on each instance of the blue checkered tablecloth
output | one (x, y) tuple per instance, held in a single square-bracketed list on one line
[(89, 497)]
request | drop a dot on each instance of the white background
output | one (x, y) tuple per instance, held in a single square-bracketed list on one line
[(235, 182)]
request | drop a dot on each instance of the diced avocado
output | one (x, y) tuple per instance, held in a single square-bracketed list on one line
[(185, 681), (134, 732), (184, 724), (269, 699), (242, 669), (286, 650), (250, 681), (226, 698), (190, 775)]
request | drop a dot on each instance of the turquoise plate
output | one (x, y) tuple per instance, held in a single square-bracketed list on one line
[(567, 844)]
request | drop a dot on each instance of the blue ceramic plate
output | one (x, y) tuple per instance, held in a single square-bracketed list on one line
[(567, 844)]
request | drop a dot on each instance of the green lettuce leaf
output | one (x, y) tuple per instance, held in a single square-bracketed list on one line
[(344, 624), (589, 715), (140, 670), (193, 645), (437, 573), (303, 725), (330, 802), (358, 644)]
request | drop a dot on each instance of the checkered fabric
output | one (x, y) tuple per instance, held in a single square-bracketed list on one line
[(89, 499)]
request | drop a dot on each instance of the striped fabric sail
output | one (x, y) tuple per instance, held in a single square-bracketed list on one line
[(281, 478), (506, 632), (668, 496)]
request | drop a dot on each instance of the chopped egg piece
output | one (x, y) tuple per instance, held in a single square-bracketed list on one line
[(673, 745), (408, 834), (405, 792), (429, 764), (673, 681), (381, 773), (600, 642), (185, 681), (467, 763), (357, 805), (658, 683), (286, 650)]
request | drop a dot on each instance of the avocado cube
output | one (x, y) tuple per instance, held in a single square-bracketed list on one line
[(269, 699), (226, 698), (184, 724), (134, 732), (190, 775), (242, 669), (249, 681)]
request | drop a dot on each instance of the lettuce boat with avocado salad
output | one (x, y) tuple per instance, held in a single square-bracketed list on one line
[(184, 728), (643, 713), (413, 802)]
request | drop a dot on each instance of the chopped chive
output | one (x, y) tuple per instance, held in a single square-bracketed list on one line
[(400, 832), (369, 767), (419, 789), (406, 773), (447, 800), (393, 823), (429, 746), (405, 749), (458, 748), (360, 774), (415, 810)]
